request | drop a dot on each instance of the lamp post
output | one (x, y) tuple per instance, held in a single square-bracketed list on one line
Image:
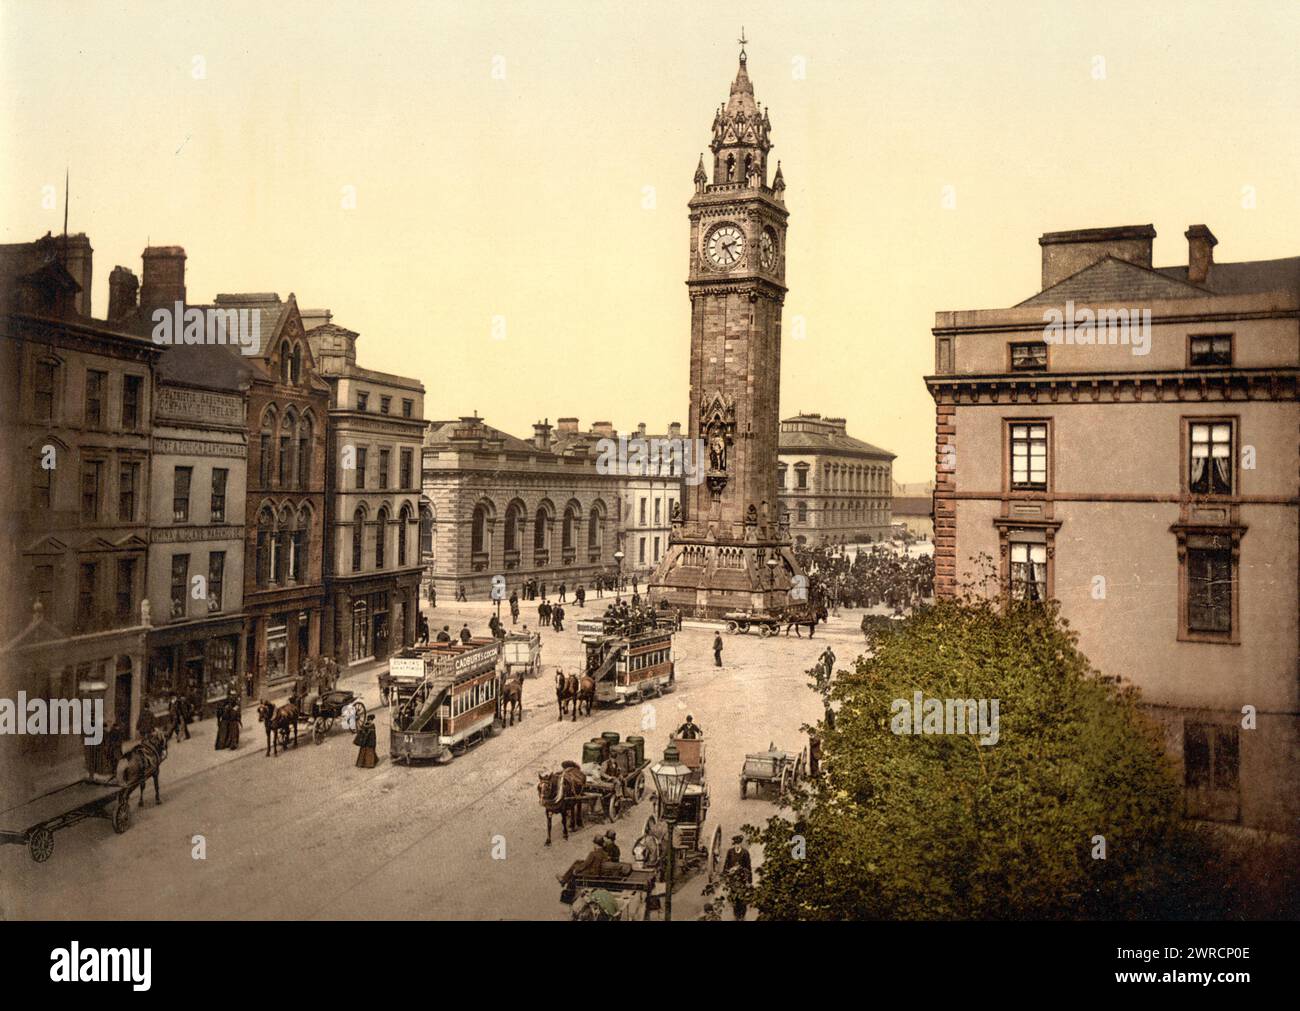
[(670, 783), (771, 571), (618, 585)]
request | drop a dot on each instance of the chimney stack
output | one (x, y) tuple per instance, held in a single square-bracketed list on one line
[(542, 435), (123, 287), (566, 426), (675, 430), (163, 282), (78, 258), (1200, 253), (604, 429), (1067, 253)]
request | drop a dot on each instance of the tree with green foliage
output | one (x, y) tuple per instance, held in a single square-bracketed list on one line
[(1074, 812)]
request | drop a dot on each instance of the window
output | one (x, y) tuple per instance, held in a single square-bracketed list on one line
[(801, 476), (358, 537), (1210, 464), (384, 454), (381, 539), (96, 383), (1211, 771), (658, 502), (1209, 351), (408, 407), (1029, 357), (801, 510), (283, 475), (131, 386), (295, 363), (1029, 456), (642, 513), (46, 380), (264, 459), (304, 453), (219, 476), (404, 475), (361, 468), (216, 574), (1028, 571), (42, 486), (284, 362), (180, 579), (43, 586), (91, 471), (641, 550), (656, 549), (264, 535), (780, 477), (385, 405), (181, 494), (298, 550), (362, 400), (125, 590), (1209, 585), (402, 521), (87, 578), (128, 480)]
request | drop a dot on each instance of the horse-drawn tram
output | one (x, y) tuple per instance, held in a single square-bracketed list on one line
[(628, 661), (34, 823), (444, 699)]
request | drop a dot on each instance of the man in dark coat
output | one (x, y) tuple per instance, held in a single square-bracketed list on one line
[(559, 618), (424, 630), (514, 608), (234, 720), (580, 595), (179, 723), (689, 730), (366, 739), (738, 876), (465, 634), (611, 846), (445, 634), (717, 649), (591, 865), (561, 593)]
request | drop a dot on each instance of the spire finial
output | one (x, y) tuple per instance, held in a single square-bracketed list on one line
[(742, 40)]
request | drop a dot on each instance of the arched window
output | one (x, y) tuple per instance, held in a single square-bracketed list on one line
[(358, 538), (595, 529), (285, 449), (381, 538), (305, 433), (284, 363), (479, 531), (300, 545), (514, 521), (266, 451), (403, 521), (426, 532), (801, 510), (295, 364), (265, 538), (570, 532), (542, 535), (280, 556)]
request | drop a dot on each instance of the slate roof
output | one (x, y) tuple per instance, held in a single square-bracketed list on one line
[(828, 443), (1115, 280), (440, 433)]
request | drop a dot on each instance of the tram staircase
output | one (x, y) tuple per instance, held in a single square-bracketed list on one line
[(427, 699), (607, 666)]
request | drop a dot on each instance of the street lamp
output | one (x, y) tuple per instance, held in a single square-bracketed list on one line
[(618, 585), (670, 776), (771, 570)]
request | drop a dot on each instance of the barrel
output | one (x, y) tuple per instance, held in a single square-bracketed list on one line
[(592, 753), (601, 744), (639, 744), (624, 756), (611, 736)]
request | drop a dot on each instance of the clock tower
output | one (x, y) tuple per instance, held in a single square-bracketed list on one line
[(730, 549)]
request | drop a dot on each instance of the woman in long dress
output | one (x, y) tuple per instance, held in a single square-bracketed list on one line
[(367, 757)]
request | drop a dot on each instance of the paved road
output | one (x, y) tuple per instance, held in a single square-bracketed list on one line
[(309, 835)]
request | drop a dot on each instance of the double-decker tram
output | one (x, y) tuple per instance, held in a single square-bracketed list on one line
[(444, 699)]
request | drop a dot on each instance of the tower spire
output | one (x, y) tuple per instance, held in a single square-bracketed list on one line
[(742, 40)]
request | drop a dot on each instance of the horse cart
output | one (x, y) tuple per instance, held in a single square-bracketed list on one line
[(33, 824), (740, 622), (444, 698), (616, 775), (325, 708), (615, 878), (690, 851), (521, 655), (778, 770)]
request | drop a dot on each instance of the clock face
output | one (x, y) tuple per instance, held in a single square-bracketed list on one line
[(725, 246), (767, 249)]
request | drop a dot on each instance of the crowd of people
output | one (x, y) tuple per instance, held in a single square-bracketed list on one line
[(875, 575)]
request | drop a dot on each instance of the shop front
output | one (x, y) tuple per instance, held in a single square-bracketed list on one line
[(198, 662)]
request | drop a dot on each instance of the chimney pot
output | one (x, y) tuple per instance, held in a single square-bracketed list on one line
[(123, 287), (163, 282), (1200, 253)]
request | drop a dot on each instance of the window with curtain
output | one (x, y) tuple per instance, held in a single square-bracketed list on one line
[(1210, 464), (1028, 571), (1029, 456)]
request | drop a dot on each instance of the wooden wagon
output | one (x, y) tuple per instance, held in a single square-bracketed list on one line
[(33, 824), (779, 770), (740, 622)]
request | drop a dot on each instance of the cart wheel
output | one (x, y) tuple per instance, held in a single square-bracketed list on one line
[(732, 627), (612, 806), (41, 844), (319, 729), (743, 783), (638, 787), (764, 631), (787, 780), (360, 711), (801, 766), (715, 853), (122, 816)]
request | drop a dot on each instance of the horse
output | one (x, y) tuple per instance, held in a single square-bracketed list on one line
[(143, 761), (278, 720), (512, 698), (586, 692), (566, 689), (805, 615), (561, 793)]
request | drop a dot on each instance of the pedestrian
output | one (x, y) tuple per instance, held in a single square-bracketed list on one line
[(219, 742), (717, 649), (179, 725), (433, 597), (367, 757), (445, 634), (542, 589), (465, 634), (514, 608), (561, 593), (690, 730), (424, 630), (738, 876), (234, 721), (580, 594), (559, 618), (460, 592)]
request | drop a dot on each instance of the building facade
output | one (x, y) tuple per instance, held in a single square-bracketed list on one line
[(912, 509), (717, 556), (1124, 441), (501, 506), (835, 489), (652, 493), (77, 412), (373, 489)]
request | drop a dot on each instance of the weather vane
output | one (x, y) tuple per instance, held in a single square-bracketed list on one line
[(742, 40)]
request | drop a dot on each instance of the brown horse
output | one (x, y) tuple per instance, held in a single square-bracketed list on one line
[(512, 698), (803, 615), (586, 693), (278, 720), (561, 793), (566, 689), (142, 763)]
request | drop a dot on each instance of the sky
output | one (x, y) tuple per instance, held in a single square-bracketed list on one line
[(494, 194)]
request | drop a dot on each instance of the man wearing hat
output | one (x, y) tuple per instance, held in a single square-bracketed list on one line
[(717, 649), (611, 847), (689, 731), (445, 634), (590, 866), (738, 875)]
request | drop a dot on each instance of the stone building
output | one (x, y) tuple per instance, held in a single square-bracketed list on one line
[(76, 410), (288, 408), (372, 506), (912, 509), (502, 506), (835, 489), (653, 488), (718, 555), (1124, 441)]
